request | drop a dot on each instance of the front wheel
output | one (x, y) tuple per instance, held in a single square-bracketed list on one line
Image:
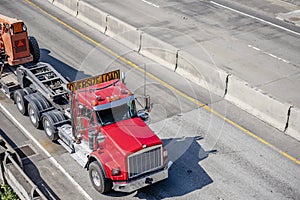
[(99, 182)]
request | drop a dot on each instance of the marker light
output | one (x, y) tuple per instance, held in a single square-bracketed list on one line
[(94, 103), (112, 98), (108, 99)]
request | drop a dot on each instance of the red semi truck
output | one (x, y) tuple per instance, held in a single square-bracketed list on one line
[(96, 119), (125, 154)]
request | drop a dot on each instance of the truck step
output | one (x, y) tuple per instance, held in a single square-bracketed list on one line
[(77, 156)]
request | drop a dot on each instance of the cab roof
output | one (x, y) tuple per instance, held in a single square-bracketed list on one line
[(103, 93)]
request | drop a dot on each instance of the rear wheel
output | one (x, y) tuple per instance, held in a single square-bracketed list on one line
[(99, 182), (28, 90), (20, 101), (33, 113), (49, 120), (34, 49), (37, 104)]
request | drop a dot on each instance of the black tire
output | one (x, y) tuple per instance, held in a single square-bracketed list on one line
[(49, 119), (28, 90), (37, 104), (99, 182), (21, 102), (33, 112), (34, 49)]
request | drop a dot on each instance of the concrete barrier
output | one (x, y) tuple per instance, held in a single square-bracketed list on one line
[(257, 103), (158, 51), (201, 73), (69, 6), (92, 16), (294, 124), (123, 32)]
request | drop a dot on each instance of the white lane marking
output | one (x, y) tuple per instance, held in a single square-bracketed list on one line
[(54, 162), (269, 54), (259, 19), (152, 4)]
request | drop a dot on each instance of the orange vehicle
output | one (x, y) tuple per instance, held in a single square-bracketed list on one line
[(15, 46)]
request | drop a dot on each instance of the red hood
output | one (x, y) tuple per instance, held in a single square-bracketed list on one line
[(130, 135)]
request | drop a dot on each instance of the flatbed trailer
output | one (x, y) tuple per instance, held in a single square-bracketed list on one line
[(38, 91), (8, 80), (41, 76)]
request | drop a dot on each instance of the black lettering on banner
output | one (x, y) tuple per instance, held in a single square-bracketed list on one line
[(76, 85)]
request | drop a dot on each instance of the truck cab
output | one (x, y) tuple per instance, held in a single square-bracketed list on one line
[(124, 153)]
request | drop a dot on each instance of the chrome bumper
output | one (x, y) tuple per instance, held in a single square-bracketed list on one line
[(142, 181)]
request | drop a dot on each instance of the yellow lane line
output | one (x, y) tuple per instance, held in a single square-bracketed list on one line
[(164, 83)]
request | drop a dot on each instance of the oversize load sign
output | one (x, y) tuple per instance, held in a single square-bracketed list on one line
[(76, 85)]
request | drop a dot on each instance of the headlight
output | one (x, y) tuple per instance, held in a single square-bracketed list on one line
[(165, 153), (116, 171)]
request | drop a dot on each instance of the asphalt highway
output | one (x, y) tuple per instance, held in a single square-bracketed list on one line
[(219, 151)]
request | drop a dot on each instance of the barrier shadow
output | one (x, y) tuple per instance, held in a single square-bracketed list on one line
[(67, 71), (32, 171)]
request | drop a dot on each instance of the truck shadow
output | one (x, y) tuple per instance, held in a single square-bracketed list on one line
[(66, 70), (31, 170), (185, 176)]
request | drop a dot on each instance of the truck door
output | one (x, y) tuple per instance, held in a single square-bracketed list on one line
[(85, 121)]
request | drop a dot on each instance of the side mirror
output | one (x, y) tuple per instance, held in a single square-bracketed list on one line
[(123, 76), (79, 122), (100, 138), (143, 115), (94, 140)]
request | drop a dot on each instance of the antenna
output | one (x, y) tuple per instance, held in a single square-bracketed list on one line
[(145, 79), (146, 97)]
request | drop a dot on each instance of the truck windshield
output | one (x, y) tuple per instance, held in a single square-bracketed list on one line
[(116, 114)]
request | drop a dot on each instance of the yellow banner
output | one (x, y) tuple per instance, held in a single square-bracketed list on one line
[(84, 83)]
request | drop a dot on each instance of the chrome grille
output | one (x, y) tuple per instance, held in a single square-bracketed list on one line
[(144, 161)]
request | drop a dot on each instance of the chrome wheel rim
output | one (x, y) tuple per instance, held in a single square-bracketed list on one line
[(32, 116), (96, 178), (19, 104), (47, 128)]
